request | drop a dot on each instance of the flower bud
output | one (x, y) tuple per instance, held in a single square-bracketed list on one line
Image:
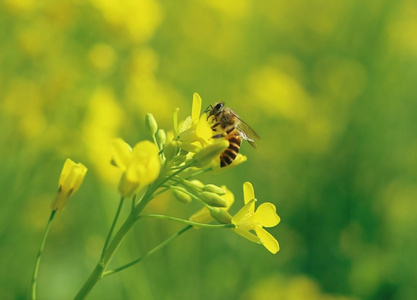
[(207, 154), (72, 176), (214, 189), (213, 199), (171, 150), (161, 138), (151, 125), (220, 215), (197, 183), (181, 196)]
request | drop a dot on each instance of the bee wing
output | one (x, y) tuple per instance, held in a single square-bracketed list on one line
[(247, 133)]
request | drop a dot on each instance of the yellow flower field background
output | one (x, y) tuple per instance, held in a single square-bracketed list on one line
[(328, 85)]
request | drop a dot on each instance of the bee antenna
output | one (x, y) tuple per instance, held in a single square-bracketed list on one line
[(208, 108)]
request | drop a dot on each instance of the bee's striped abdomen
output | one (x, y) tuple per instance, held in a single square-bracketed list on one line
[(229, 155)]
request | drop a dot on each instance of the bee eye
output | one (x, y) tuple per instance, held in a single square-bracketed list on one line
[(218, 106)]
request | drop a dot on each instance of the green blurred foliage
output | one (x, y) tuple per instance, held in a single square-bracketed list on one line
[(328, 85)]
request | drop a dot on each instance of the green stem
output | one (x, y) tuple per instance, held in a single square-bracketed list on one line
[(133, 202), (190, 223), (97, 274), (116, 217), (114, 244), (38, 258), (155, 249)]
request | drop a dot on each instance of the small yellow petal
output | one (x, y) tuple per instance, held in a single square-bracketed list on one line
[(121, 153), (203, 130), (266, 215), (196, 108), (244, 213), (136, 172), (229, 197), (247, 235), (184, 125), (145, 165), (248, 192), (267, 240)]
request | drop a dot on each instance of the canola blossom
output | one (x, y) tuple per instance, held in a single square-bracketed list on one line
[(140, 165), (71, 178), (248, 219), (195, 132)]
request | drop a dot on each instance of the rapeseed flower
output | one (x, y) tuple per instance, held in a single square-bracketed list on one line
[(72, 176), (247, 220), (140, 165)]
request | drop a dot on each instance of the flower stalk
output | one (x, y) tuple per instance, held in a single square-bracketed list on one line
[(39, 256)]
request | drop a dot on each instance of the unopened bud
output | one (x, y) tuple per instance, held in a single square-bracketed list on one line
[(161, 138), (72, 176), (207, 154), (197, 183), (181, 196), (151, 125), (213, 199), (214, 189), (171, 150), (220, 215)]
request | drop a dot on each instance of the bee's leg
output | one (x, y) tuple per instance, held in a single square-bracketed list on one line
[(217, 136), (213, 127)]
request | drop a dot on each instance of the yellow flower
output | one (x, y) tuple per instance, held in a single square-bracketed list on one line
[(140, 166), (204, 215), (195, 132), (247, 220), (72, 176)]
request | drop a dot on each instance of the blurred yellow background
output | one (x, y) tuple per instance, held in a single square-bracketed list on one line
[(328, 85)]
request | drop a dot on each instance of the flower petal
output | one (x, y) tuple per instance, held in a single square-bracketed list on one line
[(244, 213), (145, 164), (247, 235), (184, 125), (267, 240), (203, 130), (266, 215), (196, 108), (229, 197), (248, 192), (121, 153)]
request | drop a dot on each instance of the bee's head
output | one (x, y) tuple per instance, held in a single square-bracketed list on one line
[(213, 109)]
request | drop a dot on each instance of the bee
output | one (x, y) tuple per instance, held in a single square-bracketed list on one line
[(228, 125)]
